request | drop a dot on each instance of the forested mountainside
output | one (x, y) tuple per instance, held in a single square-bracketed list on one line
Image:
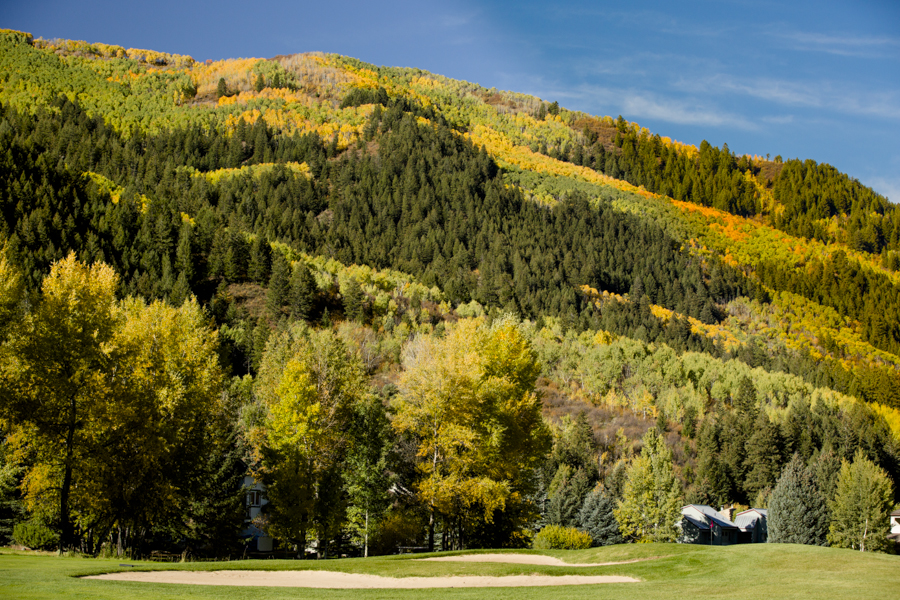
[(412, 307)]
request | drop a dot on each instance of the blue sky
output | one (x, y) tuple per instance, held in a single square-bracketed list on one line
[(817, 80)]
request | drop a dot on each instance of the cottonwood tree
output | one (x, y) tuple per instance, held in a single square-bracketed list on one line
[(55, 368), (164, 431), (468, 400), (861, 509), (365, 473), (652, 499), (110, 405), (309, 385)]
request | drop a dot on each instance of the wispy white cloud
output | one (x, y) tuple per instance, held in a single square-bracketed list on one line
[(809, 94), (842, 45), (456, 20), (778, 119), (886, 186), (648, 105), (682, 112)]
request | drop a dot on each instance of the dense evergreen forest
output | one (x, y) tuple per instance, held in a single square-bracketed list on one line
[(339, 275)]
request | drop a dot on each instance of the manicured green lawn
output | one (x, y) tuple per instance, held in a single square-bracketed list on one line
[(750, 571)]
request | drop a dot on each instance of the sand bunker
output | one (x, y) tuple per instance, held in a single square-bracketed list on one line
[(333, 580), (525, 559)]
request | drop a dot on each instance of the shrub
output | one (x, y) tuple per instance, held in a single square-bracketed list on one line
[(557, 537), (35, 536), (401, 527)]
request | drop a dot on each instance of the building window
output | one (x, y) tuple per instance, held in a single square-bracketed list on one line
[(254, 498)]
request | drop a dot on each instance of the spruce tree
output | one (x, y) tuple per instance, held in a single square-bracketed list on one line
[(597, 518), (763, 456), (652, 499), (279, 285), (180, 292), (260, 267), (184, 256), (568, 490), (797, 511), (215, 510), (712, 476), (11, 508), (303, 293)]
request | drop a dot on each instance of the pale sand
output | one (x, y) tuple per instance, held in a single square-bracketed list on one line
[(330, 579), (526, 559)]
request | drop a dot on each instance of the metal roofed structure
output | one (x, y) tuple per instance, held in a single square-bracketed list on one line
[(753, 524), (702, 524)]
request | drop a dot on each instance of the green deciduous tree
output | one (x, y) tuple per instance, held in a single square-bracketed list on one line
[(651, 502), (860, 511), (309, 385), (365, 472)]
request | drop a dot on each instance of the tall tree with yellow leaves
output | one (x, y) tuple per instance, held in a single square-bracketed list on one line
[(308, 385), (468, 400), (54, 377)]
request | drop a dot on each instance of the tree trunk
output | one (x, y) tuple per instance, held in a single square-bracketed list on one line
[(65, 523), (366, 538), (431, 528), (120, 544)]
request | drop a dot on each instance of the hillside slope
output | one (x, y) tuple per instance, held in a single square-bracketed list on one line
[(736, 304)]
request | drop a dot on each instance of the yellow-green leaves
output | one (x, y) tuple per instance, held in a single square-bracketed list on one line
[(468, 399), (651, 502), (109, 401), (860, 510), (294, 419), (308, 385)]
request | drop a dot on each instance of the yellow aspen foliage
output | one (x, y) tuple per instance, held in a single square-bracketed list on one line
[(469, 401)]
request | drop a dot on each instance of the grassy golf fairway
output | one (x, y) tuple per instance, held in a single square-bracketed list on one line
[(677, 571)]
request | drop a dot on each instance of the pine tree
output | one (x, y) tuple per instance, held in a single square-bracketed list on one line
[(797, 511), (216, 507), (279, 285), (763, 459), (598, 519), (712, 477), (568, 490), (303, 293), (260, 267), (184, 259), (180, 292), (11, 508)]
